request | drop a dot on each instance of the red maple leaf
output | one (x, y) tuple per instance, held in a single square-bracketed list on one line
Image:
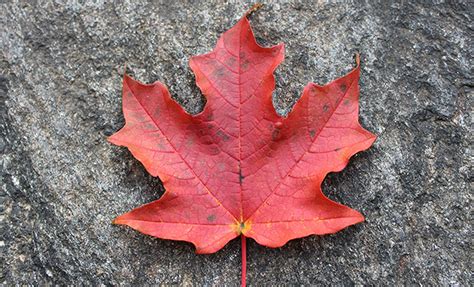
[(238, 168)]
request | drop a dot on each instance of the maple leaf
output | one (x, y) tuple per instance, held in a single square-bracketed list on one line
[(238, 168)]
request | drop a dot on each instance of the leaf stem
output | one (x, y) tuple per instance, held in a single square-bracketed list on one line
[(244, 260)]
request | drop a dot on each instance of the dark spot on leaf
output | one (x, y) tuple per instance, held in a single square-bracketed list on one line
[(242, 55), (211, 218), (160, 144), (156, 113), (244, 65), (230, 61), (343, 87), (325, 107), (219, 72), (149, 126), (312, 133), (187, 215), (242, 225), (241, 177), (210, 126), (210, 117), (275, 134), (312, 90), (189, 141), (337, 149), (214, 150), (346, 102), (222, 135)]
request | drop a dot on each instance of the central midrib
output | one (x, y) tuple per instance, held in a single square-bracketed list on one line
[(240, 129)]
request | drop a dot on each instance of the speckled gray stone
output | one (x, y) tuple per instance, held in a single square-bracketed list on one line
[(62, 183)]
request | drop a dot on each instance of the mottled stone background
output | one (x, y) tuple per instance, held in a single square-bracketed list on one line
[(62, 183)]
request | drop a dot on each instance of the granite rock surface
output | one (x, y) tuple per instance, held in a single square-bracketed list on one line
[(62, 183)]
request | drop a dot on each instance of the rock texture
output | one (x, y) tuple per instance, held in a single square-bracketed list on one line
[(62, 183)]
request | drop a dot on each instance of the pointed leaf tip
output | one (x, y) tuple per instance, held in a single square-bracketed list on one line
[(357, 59), (253, 9)]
